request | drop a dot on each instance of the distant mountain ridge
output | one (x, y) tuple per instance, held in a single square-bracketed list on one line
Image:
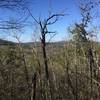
[(5, 42)]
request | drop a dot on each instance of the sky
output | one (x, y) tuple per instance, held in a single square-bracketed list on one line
[(42, 8)]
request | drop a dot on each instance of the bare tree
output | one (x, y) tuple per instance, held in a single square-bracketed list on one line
[(14, 6), (12, 3), (44, 31)]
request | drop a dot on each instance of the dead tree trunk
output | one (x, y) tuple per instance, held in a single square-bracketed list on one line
[(43, 24), (33, 93), (92, 67), (92, 62), (44, 55)]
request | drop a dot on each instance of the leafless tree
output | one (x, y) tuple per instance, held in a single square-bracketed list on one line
[(14, 6), (44, 31), (12, 3)]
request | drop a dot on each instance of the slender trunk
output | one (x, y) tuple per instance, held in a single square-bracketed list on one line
[(12, 87), (33, 95), (76, 84), (49, 83), (76, 70), (45, 56), (91, 67)]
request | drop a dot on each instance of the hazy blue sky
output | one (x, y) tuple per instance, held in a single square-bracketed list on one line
[(42, 8)]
